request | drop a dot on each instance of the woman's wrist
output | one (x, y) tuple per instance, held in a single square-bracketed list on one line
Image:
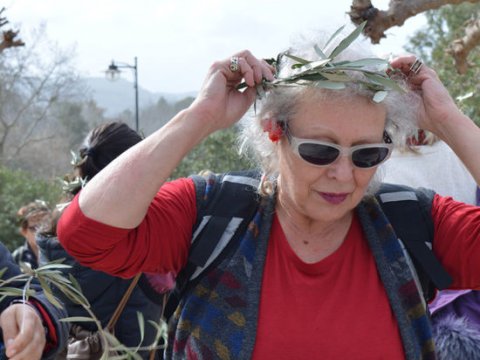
[(200, 122)]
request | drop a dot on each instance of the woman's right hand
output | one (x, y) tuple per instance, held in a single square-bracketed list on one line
[(23, 332), (219, 103)]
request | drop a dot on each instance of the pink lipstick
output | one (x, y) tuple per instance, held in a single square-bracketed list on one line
[(334, 198)]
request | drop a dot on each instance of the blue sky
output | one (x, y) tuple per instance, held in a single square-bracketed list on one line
[(176, 40)]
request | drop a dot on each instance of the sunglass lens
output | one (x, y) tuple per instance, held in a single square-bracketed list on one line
[(369, 157), (318, 154)]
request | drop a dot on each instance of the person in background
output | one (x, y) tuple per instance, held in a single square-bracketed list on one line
[(318, 272), (31, 218), (428, 162), (30, 330), (103, 144)]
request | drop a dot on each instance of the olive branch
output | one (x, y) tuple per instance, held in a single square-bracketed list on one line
[(51, 275), (327, 73)]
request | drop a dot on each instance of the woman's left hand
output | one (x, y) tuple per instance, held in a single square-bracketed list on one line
[(440, 115), (23, 332), (438, 109)]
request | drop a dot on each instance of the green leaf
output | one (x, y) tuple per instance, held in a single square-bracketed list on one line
[(26, 268), (345, 43), (365, 62), (380, 96), (314, 65), (297, 59), (11, 291), (316, 76), (74, 282), (340, 76), (77, 319), (334, 35), (141, 323), (2, 272), (388, 83), (48, 293), (319, 52), (53, 266), (330, 85)]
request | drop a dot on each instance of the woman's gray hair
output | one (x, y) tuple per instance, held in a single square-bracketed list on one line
[(281, 103)]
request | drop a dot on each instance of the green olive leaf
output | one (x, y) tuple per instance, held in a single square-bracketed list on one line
[(334, 35), (330, 85), (345, 43), (379, 96)]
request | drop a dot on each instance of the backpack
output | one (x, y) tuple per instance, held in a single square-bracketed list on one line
[(233, 201)]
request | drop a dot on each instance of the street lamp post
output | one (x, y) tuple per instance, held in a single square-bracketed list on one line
[(113, 72)]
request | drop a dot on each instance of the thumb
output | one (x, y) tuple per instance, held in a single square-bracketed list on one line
[(10, 328)]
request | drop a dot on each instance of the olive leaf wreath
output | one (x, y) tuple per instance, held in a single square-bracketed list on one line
[(327, 73)]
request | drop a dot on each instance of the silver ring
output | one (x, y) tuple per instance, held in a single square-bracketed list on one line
[(416, 66), (234, 64)]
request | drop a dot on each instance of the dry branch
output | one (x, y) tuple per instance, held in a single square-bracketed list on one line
[(400, 10), (8, 37), (460, 48)]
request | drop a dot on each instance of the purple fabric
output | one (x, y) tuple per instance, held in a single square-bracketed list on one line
[(464, 304), (444, 298)]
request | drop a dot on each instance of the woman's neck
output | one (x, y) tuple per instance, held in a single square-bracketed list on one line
[(311, 239)]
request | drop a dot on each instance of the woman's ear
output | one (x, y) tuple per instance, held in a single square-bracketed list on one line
[(274, 128)]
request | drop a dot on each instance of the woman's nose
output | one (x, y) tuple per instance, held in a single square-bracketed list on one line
[(342, 168)]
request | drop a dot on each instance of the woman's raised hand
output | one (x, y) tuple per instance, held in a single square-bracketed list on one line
[(219, 102), (438, 111)]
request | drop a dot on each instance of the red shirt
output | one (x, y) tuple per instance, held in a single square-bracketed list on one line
[(336, 308)]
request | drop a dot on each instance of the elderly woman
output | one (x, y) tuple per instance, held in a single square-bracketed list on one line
[(308, 279)]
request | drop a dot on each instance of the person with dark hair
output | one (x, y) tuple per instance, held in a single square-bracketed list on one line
[(103, 144), (317, 271), (31, 218)]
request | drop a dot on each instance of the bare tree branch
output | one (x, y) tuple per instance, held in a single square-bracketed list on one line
[(9, 36), (3, 20), (460, 48), (399, 11), (34, 81)]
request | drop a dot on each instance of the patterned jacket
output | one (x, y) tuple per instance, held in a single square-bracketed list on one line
[(217, 318)]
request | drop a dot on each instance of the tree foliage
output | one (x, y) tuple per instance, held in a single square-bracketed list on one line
[(18, 188), (217, 153), (443, 26)]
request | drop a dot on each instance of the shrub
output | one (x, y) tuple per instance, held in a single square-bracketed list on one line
[(18, 188)]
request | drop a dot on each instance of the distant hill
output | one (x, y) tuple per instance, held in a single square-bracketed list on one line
[(119, 95)]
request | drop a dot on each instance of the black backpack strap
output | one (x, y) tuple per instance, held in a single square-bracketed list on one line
[(409, 212), (225, 206)]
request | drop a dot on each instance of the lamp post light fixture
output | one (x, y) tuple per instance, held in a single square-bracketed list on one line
[(113, 72)]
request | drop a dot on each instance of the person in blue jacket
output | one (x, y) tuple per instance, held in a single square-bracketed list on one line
[(103, 144), (29, 330)]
